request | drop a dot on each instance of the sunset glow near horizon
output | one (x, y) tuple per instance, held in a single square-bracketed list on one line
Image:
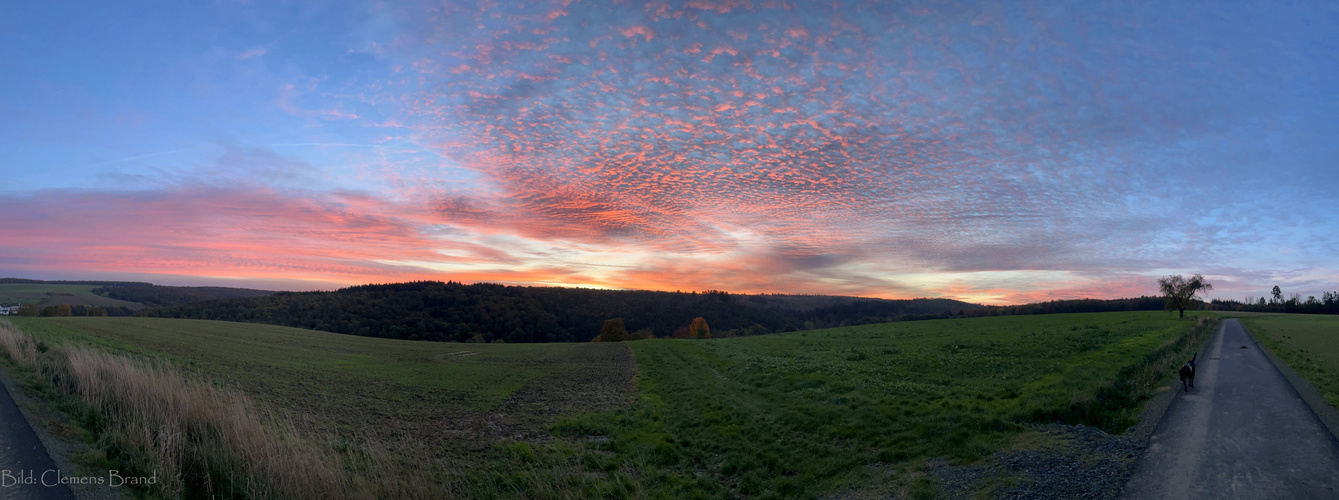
[(968, 150)]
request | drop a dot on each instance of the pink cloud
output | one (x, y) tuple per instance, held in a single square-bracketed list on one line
[(212, 232), (289, 92), (256, 52), (642, 31)]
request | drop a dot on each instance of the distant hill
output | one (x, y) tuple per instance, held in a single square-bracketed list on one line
[(113, 294), (88, 299), (432, 310), (36, 293), (23, 281), (162, 296)]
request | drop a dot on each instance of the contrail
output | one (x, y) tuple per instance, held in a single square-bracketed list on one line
[(150, 155), (306, 144), (341, 144)]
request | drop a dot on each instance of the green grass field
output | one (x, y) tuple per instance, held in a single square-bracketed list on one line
[(1308, 343), (809, 413), (291, 365), (798, 414), (31, 293), (349, 384)]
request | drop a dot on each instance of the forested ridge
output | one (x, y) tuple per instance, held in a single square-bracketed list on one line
[(451, 311), (485, 312)]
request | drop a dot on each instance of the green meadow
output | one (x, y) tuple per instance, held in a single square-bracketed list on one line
[(817, 412), (339, 382), (1309, 343), (48, 294), (854, 410), (32, 293)]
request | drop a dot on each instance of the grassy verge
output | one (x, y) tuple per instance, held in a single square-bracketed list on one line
[(1099, 398), (192, 438), (1308, 343)]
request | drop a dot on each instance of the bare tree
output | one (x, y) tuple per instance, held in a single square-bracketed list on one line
[(1181, 292)]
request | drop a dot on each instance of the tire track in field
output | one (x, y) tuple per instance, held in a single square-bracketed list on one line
[(597, 377)]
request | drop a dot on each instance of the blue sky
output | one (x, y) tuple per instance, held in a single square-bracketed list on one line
[(987, 152)]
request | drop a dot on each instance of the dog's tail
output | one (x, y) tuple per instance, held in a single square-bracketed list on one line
[(1192, 358)]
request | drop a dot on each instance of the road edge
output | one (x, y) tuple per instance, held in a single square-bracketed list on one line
[(33, 490), (1328, 415), (57, 449)]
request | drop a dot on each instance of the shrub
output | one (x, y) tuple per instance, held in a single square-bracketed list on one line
[(60, 310), (613, 331), (681, 333)]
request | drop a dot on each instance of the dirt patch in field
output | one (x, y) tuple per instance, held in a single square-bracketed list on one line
[(599, 378), (588, 378), (584, 378)]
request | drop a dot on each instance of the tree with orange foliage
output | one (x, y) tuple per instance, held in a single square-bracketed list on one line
[(699, 328)]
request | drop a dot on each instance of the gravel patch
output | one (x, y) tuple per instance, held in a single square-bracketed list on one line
[(1073, 462)]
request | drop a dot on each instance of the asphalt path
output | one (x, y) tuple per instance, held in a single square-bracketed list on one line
[(23, 459), (1242, 432)]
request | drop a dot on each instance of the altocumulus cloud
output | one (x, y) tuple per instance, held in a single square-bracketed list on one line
[(874, 148)]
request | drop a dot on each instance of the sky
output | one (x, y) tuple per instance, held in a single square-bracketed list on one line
[(994, 152)]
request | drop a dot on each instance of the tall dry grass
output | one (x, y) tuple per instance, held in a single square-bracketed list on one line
[(195, 439)]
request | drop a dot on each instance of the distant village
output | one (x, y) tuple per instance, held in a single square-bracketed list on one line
[(9, 310)]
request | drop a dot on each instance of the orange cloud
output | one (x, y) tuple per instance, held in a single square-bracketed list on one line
[(208, 231)]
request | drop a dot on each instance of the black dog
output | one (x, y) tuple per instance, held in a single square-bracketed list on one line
[(1188, 373)]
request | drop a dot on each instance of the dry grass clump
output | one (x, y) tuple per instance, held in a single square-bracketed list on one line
[(195, 439)]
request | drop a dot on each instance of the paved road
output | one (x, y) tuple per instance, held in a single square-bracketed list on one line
[(23, 456), (1243, 432)]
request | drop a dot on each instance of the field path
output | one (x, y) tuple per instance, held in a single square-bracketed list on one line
[(1242, 432), (22, 455)]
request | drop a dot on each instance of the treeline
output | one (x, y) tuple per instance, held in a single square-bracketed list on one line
[(1327, 303), (453, 311), (483, 312), (76, 310), (1143, 303)]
